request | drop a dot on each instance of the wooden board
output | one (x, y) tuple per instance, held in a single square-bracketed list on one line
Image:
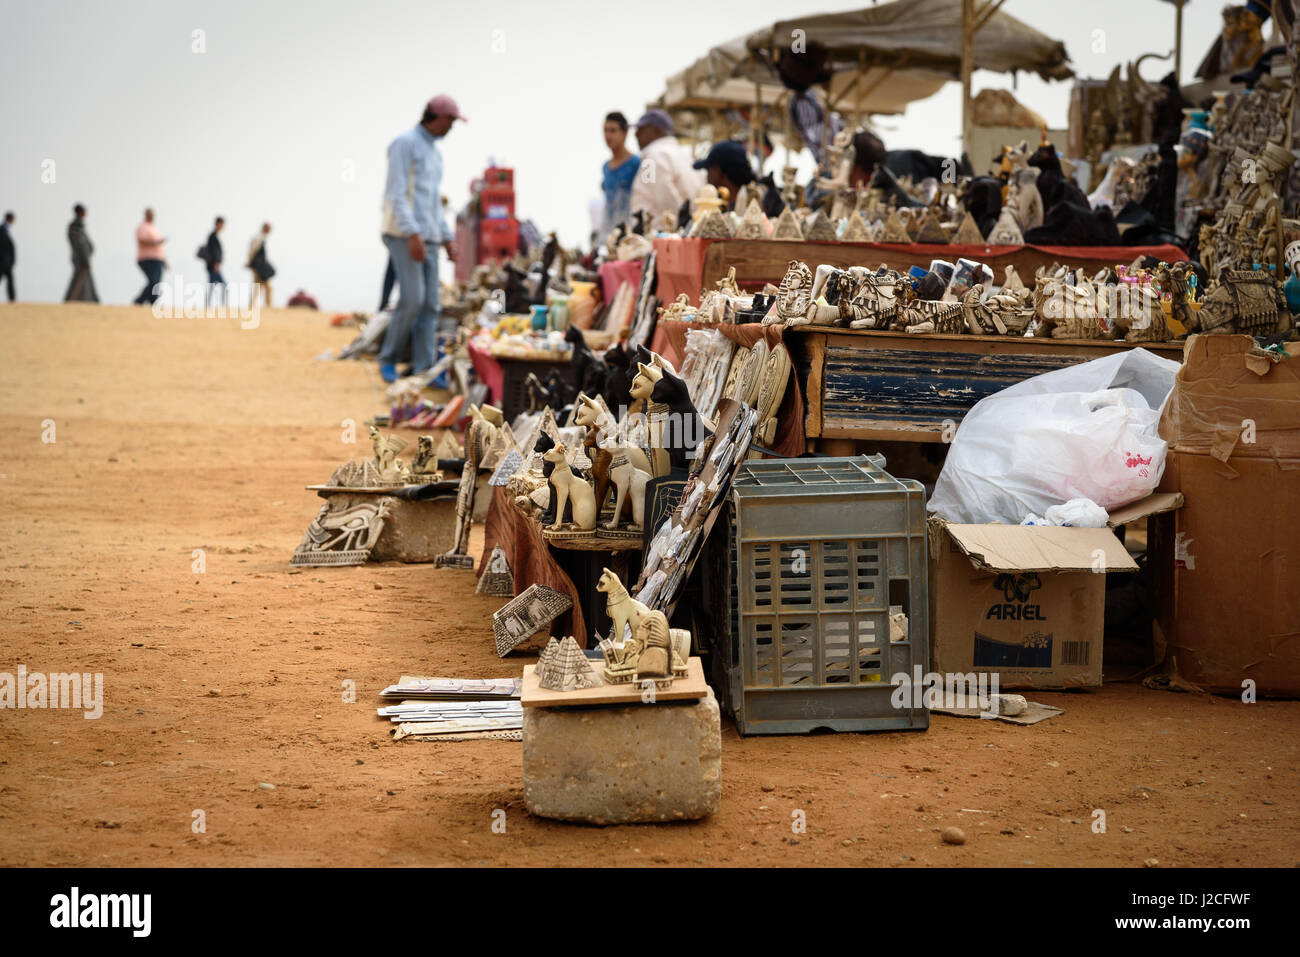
[(865, 385), (936, 342), (690, 688), (595, 544), (816, 365)]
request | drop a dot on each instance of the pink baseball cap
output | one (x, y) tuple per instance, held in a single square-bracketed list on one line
[(443, 105)]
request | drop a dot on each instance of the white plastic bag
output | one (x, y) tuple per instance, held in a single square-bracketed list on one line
[(1077, 513), (1086, 431)]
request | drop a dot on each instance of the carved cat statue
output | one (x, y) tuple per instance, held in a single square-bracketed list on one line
[(684, 430), (571, 489)]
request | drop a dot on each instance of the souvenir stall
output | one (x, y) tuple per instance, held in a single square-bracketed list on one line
[(666, 500)]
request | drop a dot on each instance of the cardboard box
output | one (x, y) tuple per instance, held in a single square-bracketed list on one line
[(1236, 572), (1027, 602), (1231, 402), (1230, 600)]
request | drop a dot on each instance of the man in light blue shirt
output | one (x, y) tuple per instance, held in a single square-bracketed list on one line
[(414, 227)]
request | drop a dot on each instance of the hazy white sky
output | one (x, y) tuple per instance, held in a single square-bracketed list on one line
[(286, 114)]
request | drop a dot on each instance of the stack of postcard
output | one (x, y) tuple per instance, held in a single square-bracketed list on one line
[(454, 709), (454, 689)]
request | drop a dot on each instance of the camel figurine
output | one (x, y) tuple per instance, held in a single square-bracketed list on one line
[(570, 488)]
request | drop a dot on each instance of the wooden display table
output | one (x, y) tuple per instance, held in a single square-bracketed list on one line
[(688, 265), (892, 386)]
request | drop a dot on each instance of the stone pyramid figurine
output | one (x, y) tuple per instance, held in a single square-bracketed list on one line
[(448, 447), (525, 617), (967, 234), (496, 578), (711, 225), (1006, 231), (866, 207), (819, 229), (567, 669), (510, 463), (911, 220), (928, 230), (894, 232), (787, 227), (856, 230), (546, 659), (753, 225)]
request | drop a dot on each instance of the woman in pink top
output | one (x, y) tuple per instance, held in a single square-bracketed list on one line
[(151, 257)]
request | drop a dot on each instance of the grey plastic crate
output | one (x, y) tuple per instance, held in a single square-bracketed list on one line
[(821, 549)]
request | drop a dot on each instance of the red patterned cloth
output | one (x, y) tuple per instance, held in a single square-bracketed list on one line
[(486, 366), (530, 559), (615, 273)]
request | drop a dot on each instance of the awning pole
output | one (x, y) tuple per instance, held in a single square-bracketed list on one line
[(967, 58), (1178, 41)]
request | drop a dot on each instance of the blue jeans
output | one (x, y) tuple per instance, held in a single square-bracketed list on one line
[(415, 322), (216, 284), (153, 271)]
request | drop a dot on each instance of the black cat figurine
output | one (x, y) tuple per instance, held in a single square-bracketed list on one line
[(617, 378), (589, 373), (684, 431), (544, 444)]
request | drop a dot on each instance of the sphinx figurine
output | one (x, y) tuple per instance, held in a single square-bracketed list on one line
[(793, 297), (424, 465), (390, 470)]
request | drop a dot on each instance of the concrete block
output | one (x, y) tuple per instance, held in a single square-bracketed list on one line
[(413, 531), (620, 765)]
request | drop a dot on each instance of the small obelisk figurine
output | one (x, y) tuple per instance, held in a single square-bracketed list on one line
[(479, 437)]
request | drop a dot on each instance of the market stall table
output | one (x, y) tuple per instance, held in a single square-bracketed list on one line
[(505, 375), (893, 386)]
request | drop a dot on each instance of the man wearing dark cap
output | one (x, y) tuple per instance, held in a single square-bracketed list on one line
[(667, 177), (728, 167), (414, 227)]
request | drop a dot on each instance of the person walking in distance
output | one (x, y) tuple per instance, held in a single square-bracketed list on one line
[(211, 254), (413, 228), (261, 267), (82, 286), (151, 257), (8, 254)]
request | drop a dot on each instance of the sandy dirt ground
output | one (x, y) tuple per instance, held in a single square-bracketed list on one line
[(172, 435)]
